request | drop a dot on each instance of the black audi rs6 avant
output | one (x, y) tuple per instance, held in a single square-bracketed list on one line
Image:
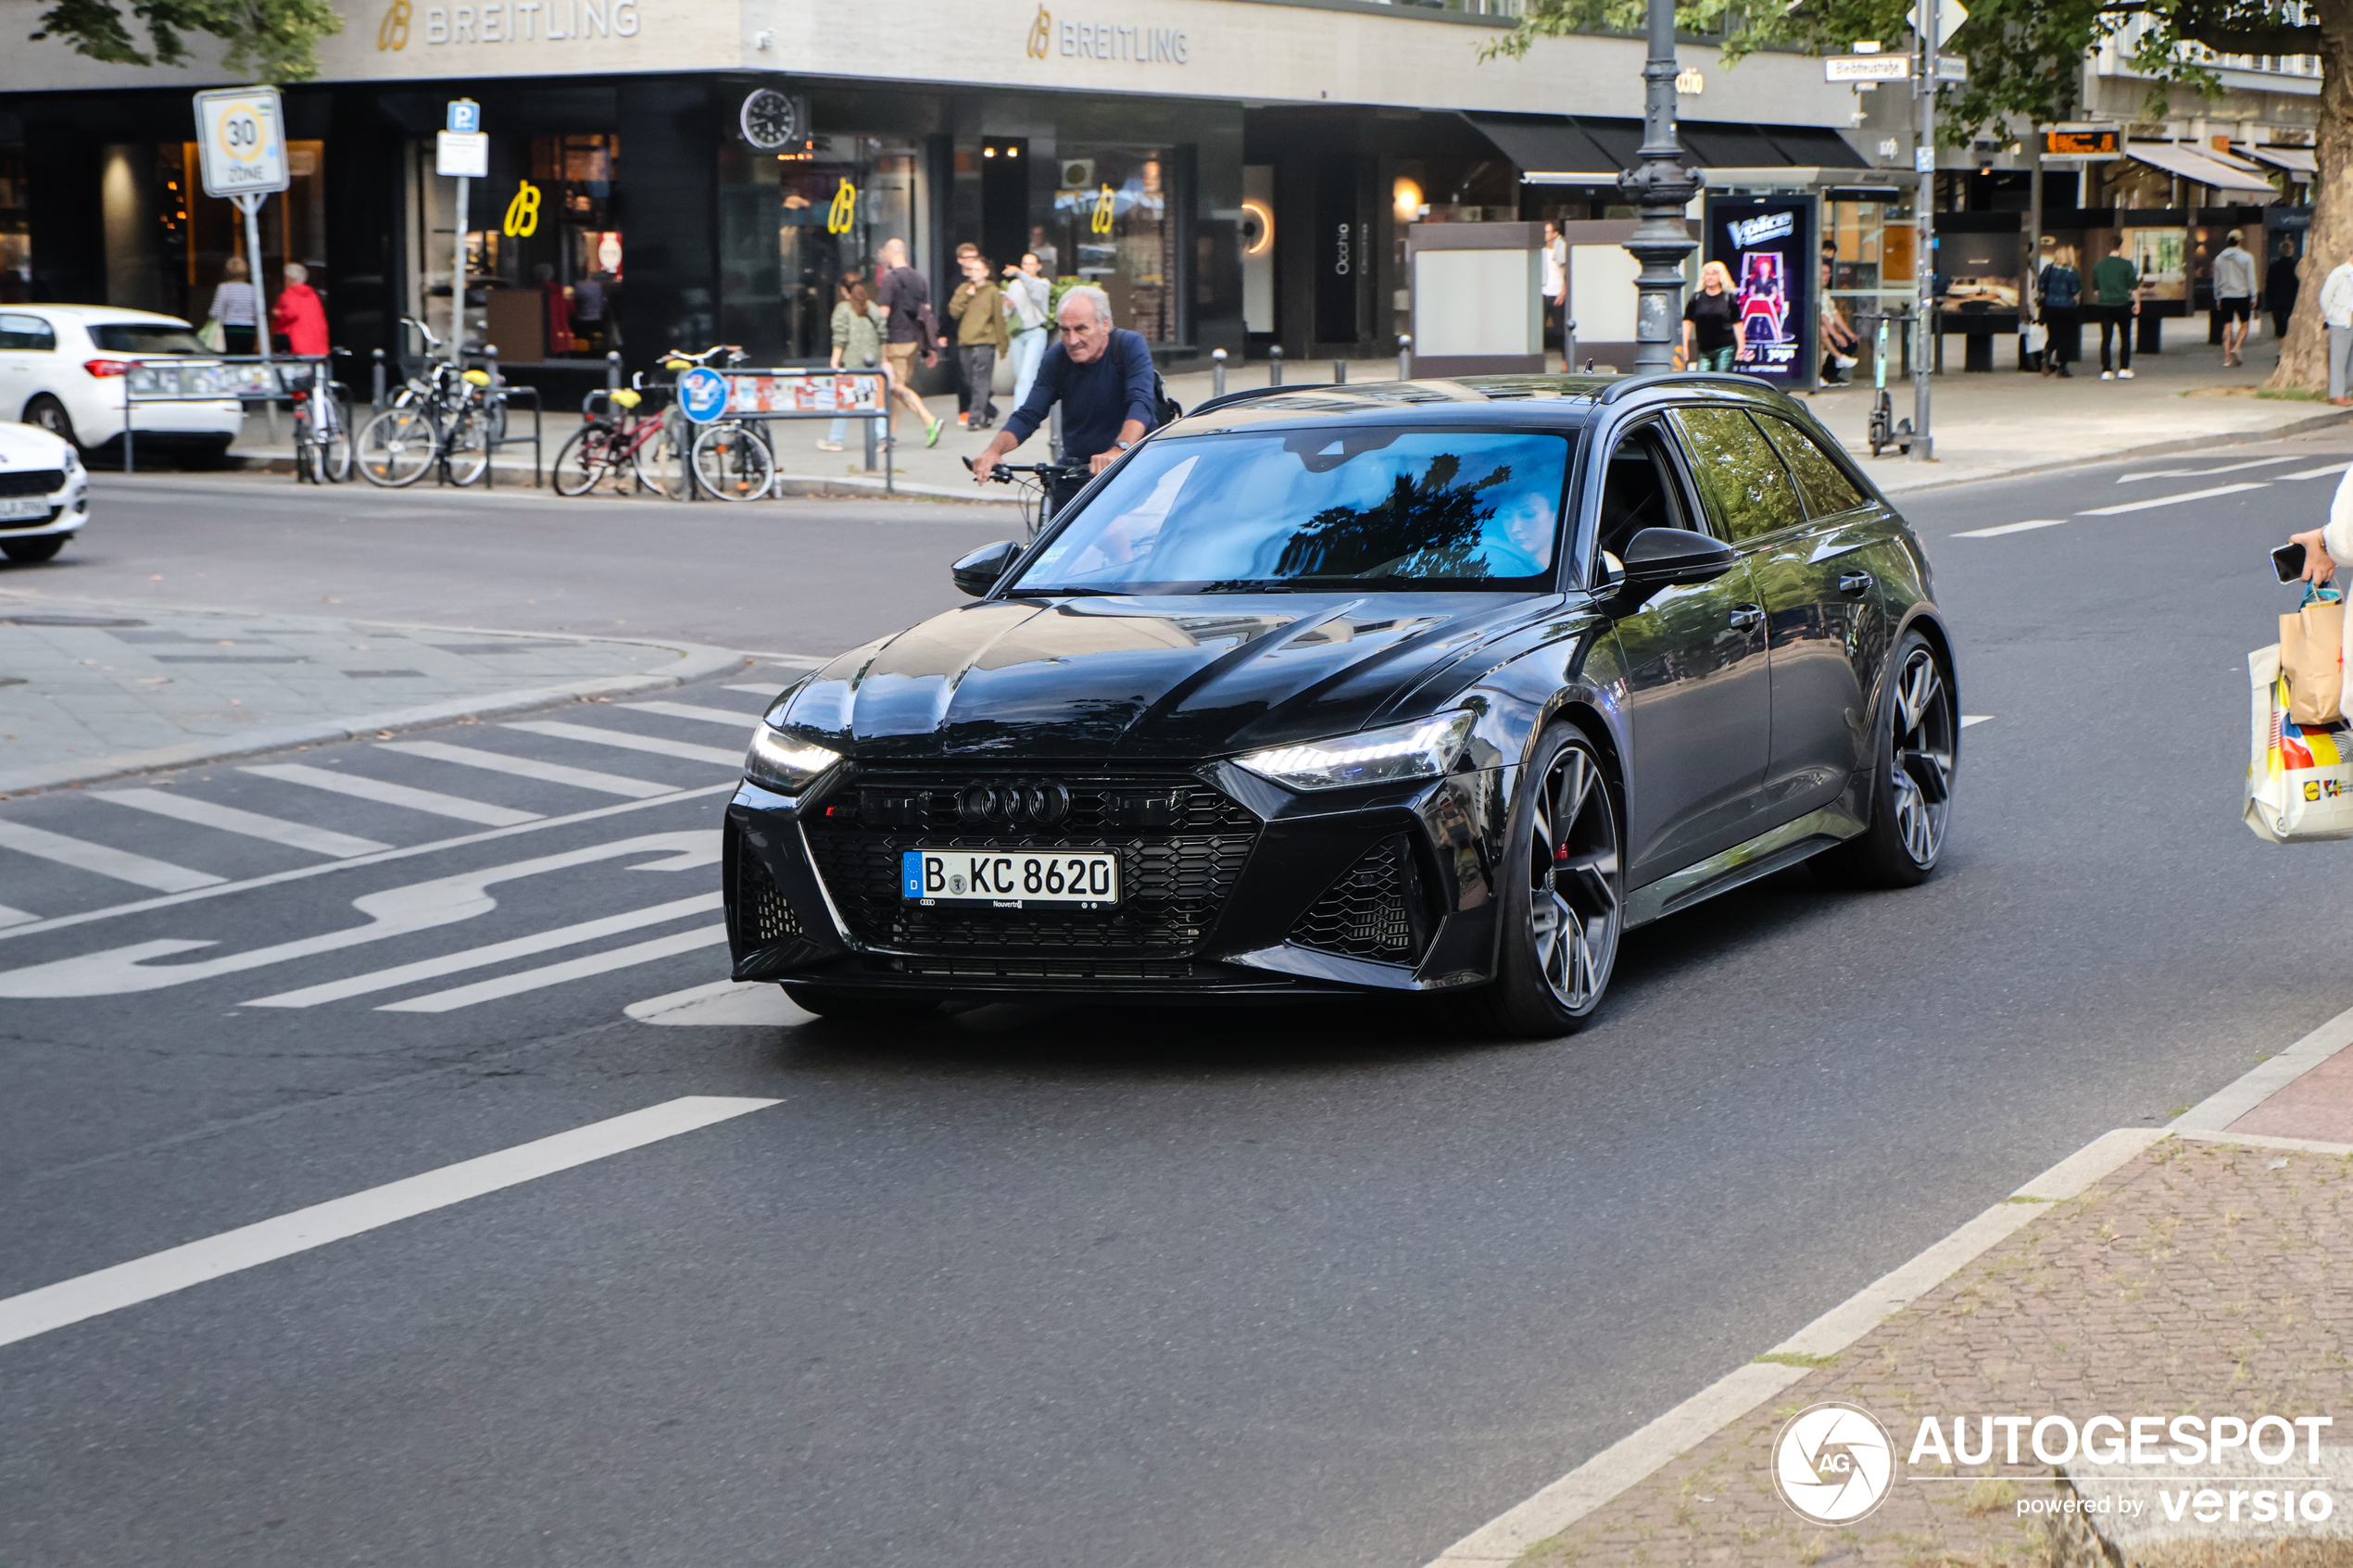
[(1415, 687)]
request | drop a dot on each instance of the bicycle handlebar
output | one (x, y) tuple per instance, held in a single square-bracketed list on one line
[(1003, 472)]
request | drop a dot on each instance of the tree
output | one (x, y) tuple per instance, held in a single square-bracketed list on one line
[(2026, 61), (269, 39)]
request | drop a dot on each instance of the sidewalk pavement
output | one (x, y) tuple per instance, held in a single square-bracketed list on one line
[(2203, 1274), (91, 690)]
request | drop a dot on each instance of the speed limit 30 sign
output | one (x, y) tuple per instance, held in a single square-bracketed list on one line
[(244, 139)]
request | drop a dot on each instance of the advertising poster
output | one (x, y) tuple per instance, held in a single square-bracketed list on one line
[(1768, 248)]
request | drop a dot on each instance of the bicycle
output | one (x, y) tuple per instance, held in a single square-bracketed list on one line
[(445, 417), (1038, 481), (731, 458), (646, 446), (322, 427)]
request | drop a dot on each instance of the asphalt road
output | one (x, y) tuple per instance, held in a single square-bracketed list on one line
[(1044, 1286)]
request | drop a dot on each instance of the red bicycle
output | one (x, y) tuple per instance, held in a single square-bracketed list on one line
[(624, 445)]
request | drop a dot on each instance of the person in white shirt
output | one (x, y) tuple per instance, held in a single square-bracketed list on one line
[(1557, 289), (2234, 286), (2336, 309), (1027, 293)]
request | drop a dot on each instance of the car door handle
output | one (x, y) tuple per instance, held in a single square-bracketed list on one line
[(1747, 616), (1854, 583)]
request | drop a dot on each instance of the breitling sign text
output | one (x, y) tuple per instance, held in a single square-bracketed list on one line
[(525, 21), (1107, 41)]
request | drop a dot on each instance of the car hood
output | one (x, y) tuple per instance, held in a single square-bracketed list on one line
[(29, 447), (1148, 677)]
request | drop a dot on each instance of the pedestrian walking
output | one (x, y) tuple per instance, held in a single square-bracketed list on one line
[(2235, 296), (2336, 310), (1555, 288), (964, 254), (2059, 292), (859, 323), (2280, 285), (2116, 300), (234, 308), (978, 308), (1711, 331), (903, 292), (297, 315), (1029, 294)]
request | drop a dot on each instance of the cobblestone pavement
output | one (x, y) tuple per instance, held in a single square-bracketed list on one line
[(2200, 1277), (91, 689)]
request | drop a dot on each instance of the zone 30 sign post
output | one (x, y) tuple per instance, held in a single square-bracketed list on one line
[(241, 134)]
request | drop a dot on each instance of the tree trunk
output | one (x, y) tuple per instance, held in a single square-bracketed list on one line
[(2304, 357)]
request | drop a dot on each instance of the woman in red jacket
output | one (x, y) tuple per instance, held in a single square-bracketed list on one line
[(297, 316)]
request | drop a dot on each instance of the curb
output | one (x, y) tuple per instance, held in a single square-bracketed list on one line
[(695, 661)]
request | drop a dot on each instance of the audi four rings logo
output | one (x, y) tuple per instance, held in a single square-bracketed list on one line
[(1012, 805)]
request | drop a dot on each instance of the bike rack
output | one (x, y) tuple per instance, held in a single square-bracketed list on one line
[(210, 378), (502, 394), (799, 386)]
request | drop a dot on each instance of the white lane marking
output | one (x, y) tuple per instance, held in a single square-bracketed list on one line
[(361, 787), (689, 710), (2320, 472), (1968, 718), (494, 953), (252, 824), (2010, 528), (2174, 500), (2201, 474), (100, 861), (524, 768), (175, 1269), (1641, 1453), (394, 911), (300, 873), (769, 691), (720, 1003), (15, 917), (559, 973), (590, 735), (797, 660)]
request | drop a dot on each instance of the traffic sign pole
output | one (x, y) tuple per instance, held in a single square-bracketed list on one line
[(241, 138), (249, 204), (458, 284), (1924, 235)]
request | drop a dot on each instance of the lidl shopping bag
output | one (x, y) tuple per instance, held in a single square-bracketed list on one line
[(2299, 778), (2312, 660)]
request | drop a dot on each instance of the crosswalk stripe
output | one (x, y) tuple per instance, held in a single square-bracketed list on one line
[(2320, 472), (2170, 500), (2201, 474), (689, 710), (101, 859), (15, 917), (361, 787), (175, 1269), (525, 768), (496, 952), (1968, 718), (252, 824), (559, 973), (769, 690), (627, 742)]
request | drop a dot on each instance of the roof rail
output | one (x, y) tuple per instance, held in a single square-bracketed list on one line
[(1247, 394), (1618, 390)]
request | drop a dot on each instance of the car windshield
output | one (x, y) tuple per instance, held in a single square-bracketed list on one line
[(1316, 509), (144, 337)]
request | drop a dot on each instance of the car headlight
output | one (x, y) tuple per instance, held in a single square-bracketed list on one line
[(73, 460), (1423, 749), (785, 762)]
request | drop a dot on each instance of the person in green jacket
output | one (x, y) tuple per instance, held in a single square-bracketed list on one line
[(858, 337), (978, 309), (2116, 300)]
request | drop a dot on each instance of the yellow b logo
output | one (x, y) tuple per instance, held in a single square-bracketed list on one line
[(1042, 34), (1101, 223), (842, 216), (393, 32), (523, 213)]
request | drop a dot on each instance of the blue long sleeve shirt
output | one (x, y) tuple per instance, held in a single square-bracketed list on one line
[(1097, 398)]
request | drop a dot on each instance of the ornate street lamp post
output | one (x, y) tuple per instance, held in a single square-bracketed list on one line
[(1662, 187)]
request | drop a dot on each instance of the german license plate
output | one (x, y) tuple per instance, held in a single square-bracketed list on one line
[(15, 511), (1008, 879)]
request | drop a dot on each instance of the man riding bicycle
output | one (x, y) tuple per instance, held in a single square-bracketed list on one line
[(1102, 375)]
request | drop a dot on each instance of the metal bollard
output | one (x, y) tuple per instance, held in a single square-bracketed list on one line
[(491, 429), (612, 370), (1339, 372), (874, 426), (1274, 366), (1404, 357), (1217, 372), (376, 382)]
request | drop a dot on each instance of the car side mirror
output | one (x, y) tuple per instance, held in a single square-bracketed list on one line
[(1675, 558), (978, 572)]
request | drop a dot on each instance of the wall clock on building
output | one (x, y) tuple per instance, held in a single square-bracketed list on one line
[(773, 120)]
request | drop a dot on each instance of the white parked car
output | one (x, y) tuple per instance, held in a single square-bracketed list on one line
[(61, 368), (45, 493)]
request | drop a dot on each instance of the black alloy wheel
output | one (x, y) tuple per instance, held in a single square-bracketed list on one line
[(45, 412), (1911, 785), (1563, 893)]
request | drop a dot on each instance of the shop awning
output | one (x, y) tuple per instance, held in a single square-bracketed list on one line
[(1548, 149), (2295, 161), (1559, 150), (2192, 164)]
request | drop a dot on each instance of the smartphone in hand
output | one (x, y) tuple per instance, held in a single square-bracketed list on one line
[(2289, 561)]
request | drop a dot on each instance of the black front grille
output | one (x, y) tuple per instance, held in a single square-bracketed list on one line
[(1371, 911), (30, 482), (1180, 844), (758, 916)]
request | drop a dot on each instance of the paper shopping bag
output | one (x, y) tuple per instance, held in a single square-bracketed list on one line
[(2312, 660), (2299, 779)]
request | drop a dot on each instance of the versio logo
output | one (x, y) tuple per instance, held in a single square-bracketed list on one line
[(1832, 1463)]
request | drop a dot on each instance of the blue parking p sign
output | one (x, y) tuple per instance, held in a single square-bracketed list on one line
[(465, 116), (702, 395)]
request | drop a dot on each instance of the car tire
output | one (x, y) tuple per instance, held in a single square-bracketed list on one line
[(1911, 779), (47, 413), (1562, 897), (28, 552), (851, 1006)]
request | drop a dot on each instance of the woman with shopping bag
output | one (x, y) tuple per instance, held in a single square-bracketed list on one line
[(2299, 776)]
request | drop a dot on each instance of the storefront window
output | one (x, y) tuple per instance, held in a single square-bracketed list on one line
[(195, 234), (544, 258), (16, 231), (794, 225), (1116, 222)]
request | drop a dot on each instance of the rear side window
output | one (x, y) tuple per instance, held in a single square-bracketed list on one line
[(146, 337), (1747, 488), (1825, 485), (26, 332)]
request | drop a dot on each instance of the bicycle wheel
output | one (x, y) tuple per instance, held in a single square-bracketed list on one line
[(467, 444), (660, 465), (584, 460), (733, 464), (398, 448), (335, 438)]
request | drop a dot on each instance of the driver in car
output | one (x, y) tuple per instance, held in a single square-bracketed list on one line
[(1102, 375)]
